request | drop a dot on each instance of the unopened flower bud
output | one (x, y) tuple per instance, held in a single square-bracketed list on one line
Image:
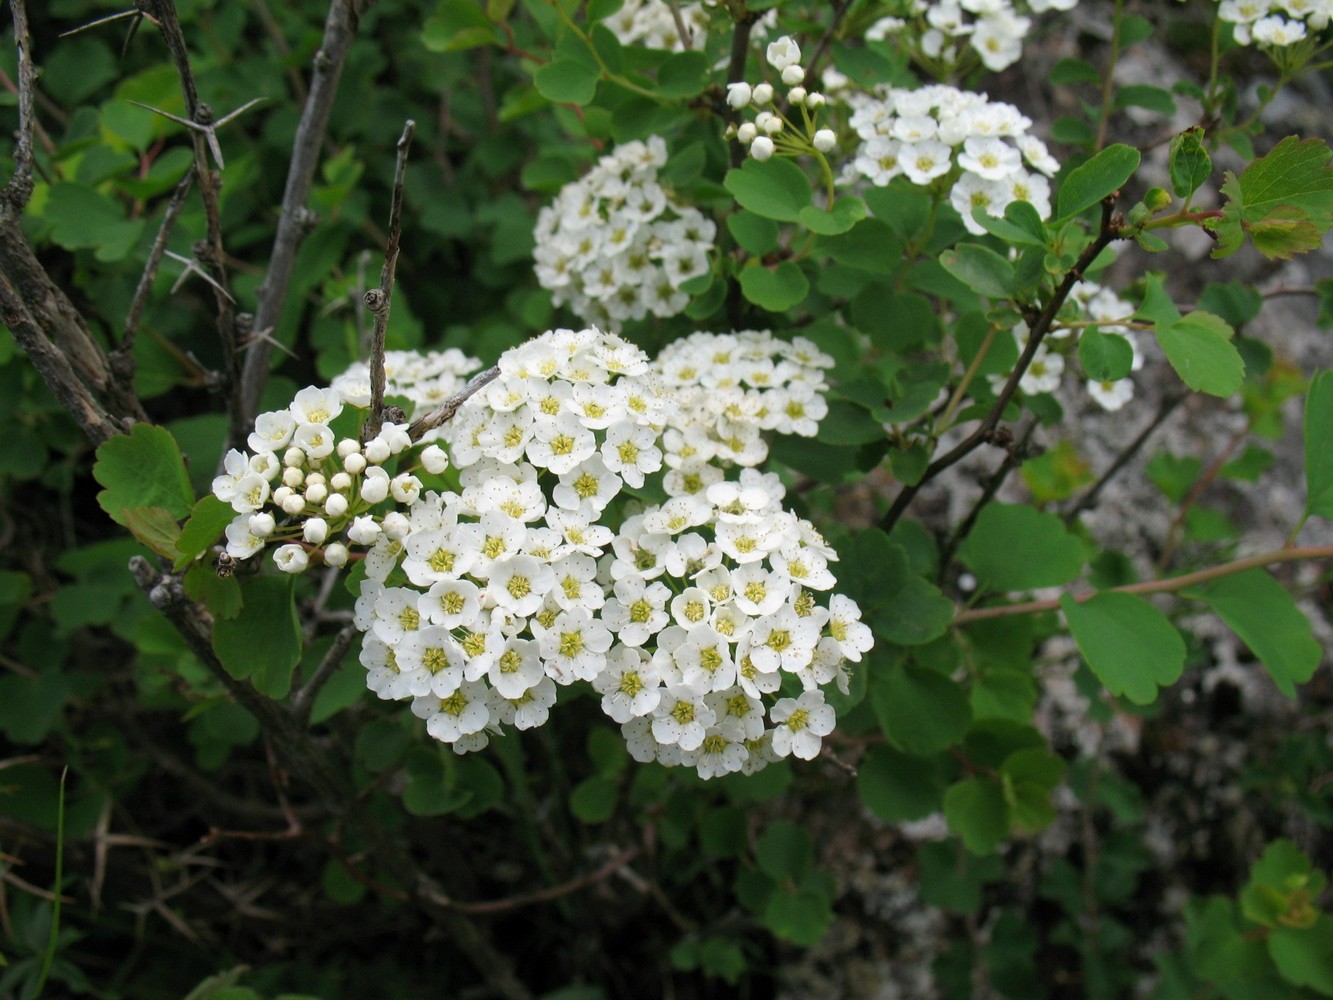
[(348, 446), (262, 525), (292, 477), (377, 451), (316, 529), (294, 504), (376, 485), (281, 494), (793, 74), (335, 555), (824, 140), (738, 95), (335, 505), (434, 459), (364, 530), (763, 94), (796, 95), (291, 558), (746, 133), (762, 148), (340, 481), (354, 464), (815, 99), (316, 493), (396, 525), (293, 457)]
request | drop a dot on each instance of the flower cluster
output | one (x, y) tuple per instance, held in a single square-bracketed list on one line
[(994, 29), (421, 380), (616, 245), (773, 130), (1090, 305), (977, 147), (654, 25), (1275, 23)]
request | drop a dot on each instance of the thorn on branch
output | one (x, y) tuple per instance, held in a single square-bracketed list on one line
[(203, 123), (192, 266)]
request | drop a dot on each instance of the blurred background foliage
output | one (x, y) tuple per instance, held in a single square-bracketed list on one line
[(188, 854)]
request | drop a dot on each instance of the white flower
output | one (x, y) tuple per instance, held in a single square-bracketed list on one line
[(463, 712), (434, 459), (681, 717), (800, 724), (783, 53), (1111, 395), (313, 406), (628, 684), (291, 558), (738, 95)]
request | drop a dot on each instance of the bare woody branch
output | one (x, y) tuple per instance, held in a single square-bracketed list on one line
[(154, 261), (294, 219), (443, 413), (19, 189), (380, 300)]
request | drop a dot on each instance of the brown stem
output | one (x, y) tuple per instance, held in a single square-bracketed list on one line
[(19, 189), (1169, 585), (304, 699), (294, 218), (123, 357), (380, 300), (443, 413), (552, 892)]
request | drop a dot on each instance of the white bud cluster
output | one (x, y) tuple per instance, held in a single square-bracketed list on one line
[(981, 148), (772, 129), (616, 245), (994, 30)]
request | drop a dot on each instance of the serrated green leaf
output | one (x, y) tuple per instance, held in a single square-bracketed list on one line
[(1199, 347), (1016, 226), (143, 468), (1144, 95), (683, 74), (1304, 956), (1128, 643), (1319, 446), (1105, 357), (207, 522), (774, 189), (268, 611), (1190, 164), (920, 710), (155, 528), (1051, 555), (1283, 200), (1098, 178), (82, 218), (776, 289), (1257, 609), (975, 810), (981, 269), (567, 81)]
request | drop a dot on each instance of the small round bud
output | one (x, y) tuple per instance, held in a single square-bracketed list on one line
[(747, 132), (315, 477), (738, 95), (763, 94), (434, 459), (315, 531), (354, 464), (396, 525), (364, 530), (762, 148), (340, 481), (793, 74), (771, 125), (262, 524), (377, 451), (814, 100), (348, 446), (1157, 199), (294, 504), (281, 494), (335, 505), (292, 477), (316, 493), (796, 95), (824, 140), (335, 555), (291, 558), (376, 485), (293, 457)]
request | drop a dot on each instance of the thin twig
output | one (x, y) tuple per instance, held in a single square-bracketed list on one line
[(380, 300), (154, 260), (1014, 455), (686, 35), (445, 411), (101, 21), (1165, 586), (1088, 499), (304, 699), (19, 189), (295, 219), (551, 892), (1038, 328)]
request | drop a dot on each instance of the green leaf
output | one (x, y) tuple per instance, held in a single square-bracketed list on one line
[(775, 289), (975, 810), (1105, 357), (1144, 95), (898, 787), (1319, 446), (921, 710), (82, 218), (980, 269), (754, 233), (1051, 555), (1199, 347), (567, 81), (263, 641), (458, 25), (1070, 70), (207, 522), (683, 74), (593, 799), (1257, 609), (143, 468), (1190, 164), (775, 189), (1028, 777), (1128, 643), (155, 528), (784, 851), (1283, 882), (846, 212), (801, 916), (870, 245), (1304, 957), (1098, 178), (1283, 200), (1017, 226)]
